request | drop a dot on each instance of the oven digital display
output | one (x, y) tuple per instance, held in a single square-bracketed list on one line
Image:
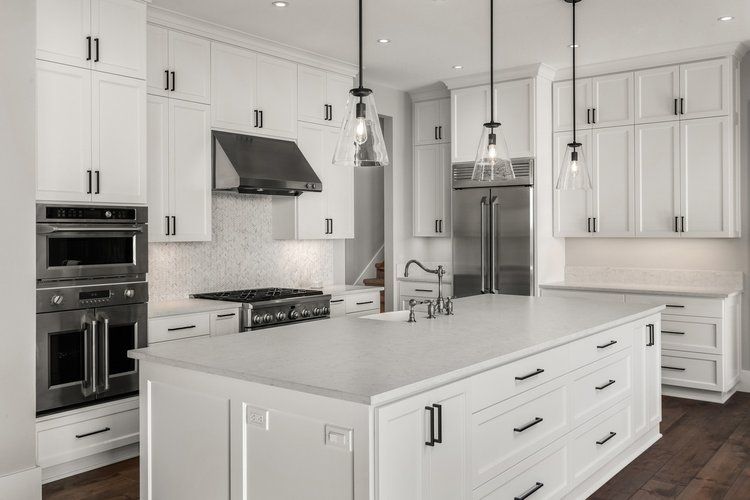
[(90, 213), (98, 294)]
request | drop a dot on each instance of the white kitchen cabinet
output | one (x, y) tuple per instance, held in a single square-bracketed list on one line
[(515, 110), (705, 88), (646, 355), (179, 65), (562, 112), (432, 122), (613, 168), (469, 110), (573, 208), (657, 94), (276, 95), (179, 170), (61, 30), (322, 96), (352, 305), (612, 100), (431, 197)]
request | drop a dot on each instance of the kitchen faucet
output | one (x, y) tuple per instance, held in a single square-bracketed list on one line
[(440, 271)]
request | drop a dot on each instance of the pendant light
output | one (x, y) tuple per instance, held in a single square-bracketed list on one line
[(493, 160), (361, 142), (574, 174)]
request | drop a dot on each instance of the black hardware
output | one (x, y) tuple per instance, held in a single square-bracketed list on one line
[(255, 112), (682, 105), (532, 374), (602, 387), (531, 424), (594, 219), (261, 121), (167, 218), (228, 315), (676, 224), (611, 435), (526, 494), (675, 368), (440, 225), (604, 346), (166, 85), (261, 126), (436, 134), (173, 80), (325, 112), (88, 50), (588, 224), (673, 332), (588, 112), (327, 231), (96, 49), (439, 438), (651, 338), (675, 107), (337, 301), (422, 290), (682, 224), (180, 328), (88, 172), (98, 182), (79, 436), (174, 225), (330, 112), (431, 442), (593, 115), (436, 226), (675, 306), (440, 132), (363, 303)]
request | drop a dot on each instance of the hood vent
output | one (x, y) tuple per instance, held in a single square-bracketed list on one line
[(258, 165)]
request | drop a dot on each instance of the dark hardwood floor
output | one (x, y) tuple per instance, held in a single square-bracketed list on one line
[(704, 454)]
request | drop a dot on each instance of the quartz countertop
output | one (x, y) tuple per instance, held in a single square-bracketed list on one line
[(373, 362), (687, 291), (338, 290), (188, 306)]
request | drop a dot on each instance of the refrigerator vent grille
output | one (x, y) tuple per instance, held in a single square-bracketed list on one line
[(463, 171)]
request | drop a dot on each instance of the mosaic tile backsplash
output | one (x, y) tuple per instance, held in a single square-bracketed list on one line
[(242, 254)]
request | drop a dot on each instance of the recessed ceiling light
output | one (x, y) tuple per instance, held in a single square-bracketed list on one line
[(726, 18), (573, 46), (458, 66), (280, 3), (383, 40)]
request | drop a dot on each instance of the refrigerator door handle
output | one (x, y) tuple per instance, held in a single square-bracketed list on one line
[(494, 251), (483, 242)]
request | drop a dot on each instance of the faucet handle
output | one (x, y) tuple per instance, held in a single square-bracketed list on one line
[(430, 310), (449, 306)]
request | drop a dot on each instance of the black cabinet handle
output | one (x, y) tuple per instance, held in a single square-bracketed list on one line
[(611, 435), (337, 301), (673, 332), (675, 306), (608, 344), (96, 49), (531, 424), (440, 132), (526, 494), (651, 337), (88, 49), (682, 224), (166, 74), (174, 225), (167, 219), (588, 114), (363, 303), (255, 113), (602, 387), (228, 315), (674, 368), (423, 290), (431, 442), (436, 226), (435, 133), (174, 78), (79, 436), (595, 230), (588, 225), (90, 189), (441, 220), (593, 115), (261, 119), (98, 182), (178, 328), (532, 374), (330, 112), (675, 107), (325, 112), (682, 105), (439, 408), (676, 224)]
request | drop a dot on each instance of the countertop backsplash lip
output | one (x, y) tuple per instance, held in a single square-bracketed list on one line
[(242, 254), (590, 275)]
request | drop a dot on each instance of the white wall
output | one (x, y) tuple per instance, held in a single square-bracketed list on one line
[(17, 260)]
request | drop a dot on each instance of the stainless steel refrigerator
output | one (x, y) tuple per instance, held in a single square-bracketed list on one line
[(493, 232)]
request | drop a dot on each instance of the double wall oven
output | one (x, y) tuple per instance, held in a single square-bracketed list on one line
[(91, 302)]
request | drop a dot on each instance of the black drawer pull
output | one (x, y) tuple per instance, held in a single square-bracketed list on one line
[(526, 494), (228, 315), (532, 374), (531, 424), (79, 436), (675, 306), (431, 442), (675, 368), (180, 328), (602, 387), (366, 302), (673, 332), (337, 301), (611, 435), (439, 408), (608, 344), (423, 290)]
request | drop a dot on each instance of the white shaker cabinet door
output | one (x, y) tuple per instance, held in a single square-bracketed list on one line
[(428, 183), (426, 122), (337, 95), (311, 95), (657, 179), (62, 28), (612, 100), (515, 103), (276, 94), (705, 87), (562, 112), (469, 110), (657, 93), (190, 62), (157, 60), (233, 80), (119, 31), (613, 171), (572, 208), (340, 187), (157, 124), (63, 132), (312, 208)]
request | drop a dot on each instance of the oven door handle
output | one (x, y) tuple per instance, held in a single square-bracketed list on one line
[(48, 229), (87, 384), (106, 355)]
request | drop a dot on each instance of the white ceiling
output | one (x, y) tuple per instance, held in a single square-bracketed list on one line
[(430, 36)]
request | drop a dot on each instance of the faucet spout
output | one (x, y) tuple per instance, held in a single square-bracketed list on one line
[(439, 271)]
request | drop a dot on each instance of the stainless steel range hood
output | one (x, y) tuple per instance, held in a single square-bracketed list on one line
[(258, 165)]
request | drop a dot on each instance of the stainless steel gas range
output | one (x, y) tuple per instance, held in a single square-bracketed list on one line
[(269, 307)]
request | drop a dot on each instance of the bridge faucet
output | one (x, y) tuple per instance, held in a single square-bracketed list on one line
[(440, 272)]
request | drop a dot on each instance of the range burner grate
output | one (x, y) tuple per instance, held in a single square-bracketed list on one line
[(258, 294)]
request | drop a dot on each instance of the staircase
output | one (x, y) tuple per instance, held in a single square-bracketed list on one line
[(379, 280)]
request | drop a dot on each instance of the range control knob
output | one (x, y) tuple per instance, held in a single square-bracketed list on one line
[(129, 293), (293, 315), (280, 316), (267, 318), (326, 310), (317, 311), (305, 313), (56, 300), (257, 319), (108, 214)]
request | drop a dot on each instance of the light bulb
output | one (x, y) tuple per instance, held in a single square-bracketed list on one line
[(574, 167), (492, 151), (360, 134)]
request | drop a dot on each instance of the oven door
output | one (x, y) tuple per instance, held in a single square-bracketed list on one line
[(67, 251)]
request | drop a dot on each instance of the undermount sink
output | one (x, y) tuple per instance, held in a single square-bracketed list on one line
[(390, 316)]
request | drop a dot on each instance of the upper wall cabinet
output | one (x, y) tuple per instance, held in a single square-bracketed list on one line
[(322, 96), (432, 122), (432, 191), (604, 101), (104, 35), (179, 65), (469, 110)]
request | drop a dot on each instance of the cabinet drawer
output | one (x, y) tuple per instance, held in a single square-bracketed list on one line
[(601, 345), (699, 371), (510, 380), (178, 327), (425, 290), (362, 302), (72, 441), (505, 434), (696, 335), (338, 307), (681, 306), (597, 387), (224, 322)]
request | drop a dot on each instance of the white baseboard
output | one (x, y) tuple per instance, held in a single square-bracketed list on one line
[(698, 394), (88, 463), (744, 385), (23, 485)]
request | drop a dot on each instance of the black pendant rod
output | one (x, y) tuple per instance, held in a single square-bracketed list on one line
[(360, 43), (574, 71), (492, 61)]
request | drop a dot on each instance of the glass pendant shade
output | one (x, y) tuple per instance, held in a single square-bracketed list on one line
[(574, 173), (361, 142), (493, 160)]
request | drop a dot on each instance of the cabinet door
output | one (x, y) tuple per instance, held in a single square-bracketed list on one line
[(562, 98), (233, 78), (426, 122), (612, 176), (337, 95), (657, 93), (311, 92), (190, 60), (446, 462), (612, 100), (157, 60), (469, 110), (515, 102), (572, 208), (706, 176), (312, 208), (120, 28), (276, 93), (657, 179), (119, 138), (157, 159), (63, 114), (61, 30), (646, 374), (428, 184), (705, 88), (444, 192), (340, 187), (190, 170), (653, 378), (445, 120)]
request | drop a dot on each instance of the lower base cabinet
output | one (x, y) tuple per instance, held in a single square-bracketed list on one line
[(355, 304)]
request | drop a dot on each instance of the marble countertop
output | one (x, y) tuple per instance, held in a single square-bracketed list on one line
[(338, 290), (374, 362), (687, 291), (188, 306)]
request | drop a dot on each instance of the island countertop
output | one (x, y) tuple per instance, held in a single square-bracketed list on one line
[(373, 362)]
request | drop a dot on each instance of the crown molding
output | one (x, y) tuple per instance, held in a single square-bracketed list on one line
[(501, 75), (437, 90), (194, 26), (733, 49)]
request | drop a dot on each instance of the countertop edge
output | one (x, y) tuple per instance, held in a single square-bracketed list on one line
[(636, 289)]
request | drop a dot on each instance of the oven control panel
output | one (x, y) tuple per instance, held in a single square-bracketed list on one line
[(264, 316), (90, 296)]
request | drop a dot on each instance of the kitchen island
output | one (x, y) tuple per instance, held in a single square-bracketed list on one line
[(508, 394)]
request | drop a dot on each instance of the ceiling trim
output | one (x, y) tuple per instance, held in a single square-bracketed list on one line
[(430, 92), (194, 26), (501, 75)]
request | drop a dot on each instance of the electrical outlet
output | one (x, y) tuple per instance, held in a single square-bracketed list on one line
[(339, 437), (257, 417)]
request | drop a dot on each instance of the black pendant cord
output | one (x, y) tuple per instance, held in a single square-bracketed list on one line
[(574, 72), (492, 63), (360, 44)]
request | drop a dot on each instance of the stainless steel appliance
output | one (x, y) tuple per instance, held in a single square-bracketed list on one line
[(269, 307), (493, 232)]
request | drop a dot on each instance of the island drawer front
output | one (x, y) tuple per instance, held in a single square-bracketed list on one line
[(596, 387), (697, 335), (506, 433), (178, 327), (224, 322), (80, 439), (681, 306), (362, 302), (506, 381), (424, 290), (603, 437), (338, 307), (551, 472), (699, 371), (600, 345)]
